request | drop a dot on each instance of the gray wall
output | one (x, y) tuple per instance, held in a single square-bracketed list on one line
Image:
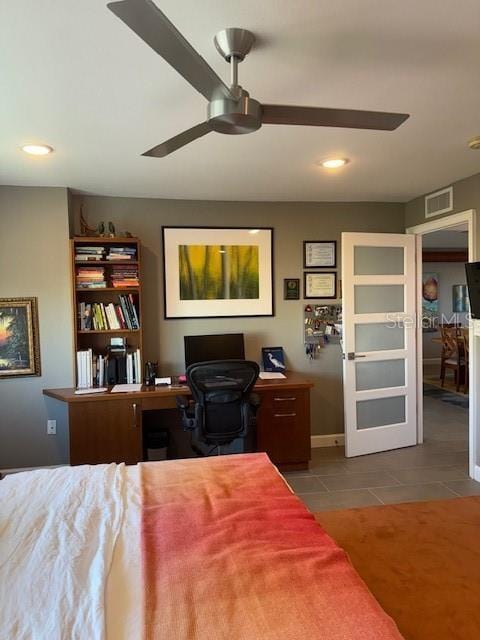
[(293, 223), (34, 261), (466, 195)]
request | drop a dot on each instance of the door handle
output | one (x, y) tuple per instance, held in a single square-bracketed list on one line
[(351, 355), (134, 407)]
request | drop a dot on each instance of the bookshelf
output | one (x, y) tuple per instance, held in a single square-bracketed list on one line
[(107, 296)]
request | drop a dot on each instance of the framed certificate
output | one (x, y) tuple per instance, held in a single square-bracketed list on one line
[(319, 285), (319, 253)]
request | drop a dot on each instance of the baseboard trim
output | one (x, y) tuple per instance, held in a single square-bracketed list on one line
[(330, 440), (476, 473)]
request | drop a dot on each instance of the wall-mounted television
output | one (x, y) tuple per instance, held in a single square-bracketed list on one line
[(473, 282)]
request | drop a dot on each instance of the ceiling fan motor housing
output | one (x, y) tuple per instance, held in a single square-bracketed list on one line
[(235, 116)]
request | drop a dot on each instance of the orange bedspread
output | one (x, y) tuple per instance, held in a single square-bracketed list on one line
[(230, 553)]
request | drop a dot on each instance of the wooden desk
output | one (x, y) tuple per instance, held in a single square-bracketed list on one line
[(107, 427)]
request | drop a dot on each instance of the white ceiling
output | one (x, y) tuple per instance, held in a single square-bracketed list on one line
[(73, 76)]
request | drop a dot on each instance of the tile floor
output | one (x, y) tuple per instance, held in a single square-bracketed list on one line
[(436, 469)]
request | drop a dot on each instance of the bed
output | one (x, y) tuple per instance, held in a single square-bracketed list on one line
[(211, 548)]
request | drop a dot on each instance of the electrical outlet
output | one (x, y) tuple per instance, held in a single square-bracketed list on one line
[(52, 427)]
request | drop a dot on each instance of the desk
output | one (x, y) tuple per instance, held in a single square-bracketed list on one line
[(107, 427)]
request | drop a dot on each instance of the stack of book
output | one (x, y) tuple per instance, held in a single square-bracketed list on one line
[(84, 253), (90, 278), (122, 253), (101, 316), (97, 370), (124, 276)]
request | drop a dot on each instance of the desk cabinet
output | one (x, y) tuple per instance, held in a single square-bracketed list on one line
[(284, 427), (107, 427), (105, 431)]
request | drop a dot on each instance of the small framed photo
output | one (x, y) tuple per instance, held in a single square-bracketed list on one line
[(319, 253), (291, 289), (319, 285), (273, 359), (19, 346)]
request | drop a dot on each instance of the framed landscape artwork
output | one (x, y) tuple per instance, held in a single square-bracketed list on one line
[(19, 349), (216, 272)]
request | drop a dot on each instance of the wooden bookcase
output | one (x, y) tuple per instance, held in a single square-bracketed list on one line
[(96, 339)]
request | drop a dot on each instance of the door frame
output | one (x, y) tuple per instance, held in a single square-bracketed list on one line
[(470, 217)]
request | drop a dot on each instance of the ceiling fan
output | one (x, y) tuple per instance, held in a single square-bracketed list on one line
[(230, 109)]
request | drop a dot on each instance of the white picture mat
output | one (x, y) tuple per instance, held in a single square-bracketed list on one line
[(177, 308)]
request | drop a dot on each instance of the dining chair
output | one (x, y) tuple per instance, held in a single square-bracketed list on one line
[(452, 356)]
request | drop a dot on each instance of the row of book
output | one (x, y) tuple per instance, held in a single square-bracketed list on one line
[(90, 278), (97, 370), (123, 276), (96, 252), (101, 316)]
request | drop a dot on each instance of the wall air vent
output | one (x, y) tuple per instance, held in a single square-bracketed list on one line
[(439, 202)]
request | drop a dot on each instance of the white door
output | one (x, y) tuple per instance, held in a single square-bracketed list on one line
[(379, 370)]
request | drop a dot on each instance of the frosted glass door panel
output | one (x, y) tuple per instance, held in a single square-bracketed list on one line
[(378, 336), (378, 261), (380, 374), (380, 412), (379, 298)]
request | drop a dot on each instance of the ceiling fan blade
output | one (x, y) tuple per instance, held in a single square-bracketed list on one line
[(154, 28), (163, 149), (320, 117)]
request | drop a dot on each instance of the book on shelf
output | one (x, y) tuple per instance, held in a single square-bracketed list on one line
[(85, 253), (121, 253), (124, 276), (90, 277), (102, 316), (96, 370)]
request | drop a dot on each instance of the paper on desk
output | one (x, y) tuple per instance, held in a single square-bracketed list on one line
[(126, 388), (163, 380), (270, 375)]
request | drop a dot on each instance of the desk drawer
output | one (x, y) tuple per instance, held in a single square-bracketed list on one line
[(283, 429)]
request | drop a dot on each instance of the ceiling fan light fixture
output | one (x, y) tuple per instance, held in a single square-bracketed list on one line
[(37, 149), (334, 163)]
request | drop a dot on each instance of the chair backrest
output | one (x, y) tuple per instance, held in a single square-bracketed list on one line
[(463, 343), (221, 390), (449, 343)]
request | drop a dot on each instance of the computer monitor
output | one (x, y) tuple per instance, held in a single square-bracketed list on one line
[(224, 346)]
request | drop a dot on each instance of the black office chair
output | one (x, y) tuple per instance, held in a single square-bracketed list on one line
[(223, 407)]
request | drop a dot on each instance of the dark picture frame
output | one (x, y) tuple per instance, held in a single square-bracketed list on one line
[(217, 272), (309, 278), (19, 338), (316, 254), (291, 288)]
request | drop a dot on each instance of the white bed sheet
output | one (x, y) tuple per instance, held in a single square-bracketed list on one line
[(70, 556), (124, 595)]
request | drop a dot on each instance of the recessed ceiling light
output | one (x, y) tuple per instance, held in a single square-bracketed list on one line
[(37, 149), (334, 163)]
